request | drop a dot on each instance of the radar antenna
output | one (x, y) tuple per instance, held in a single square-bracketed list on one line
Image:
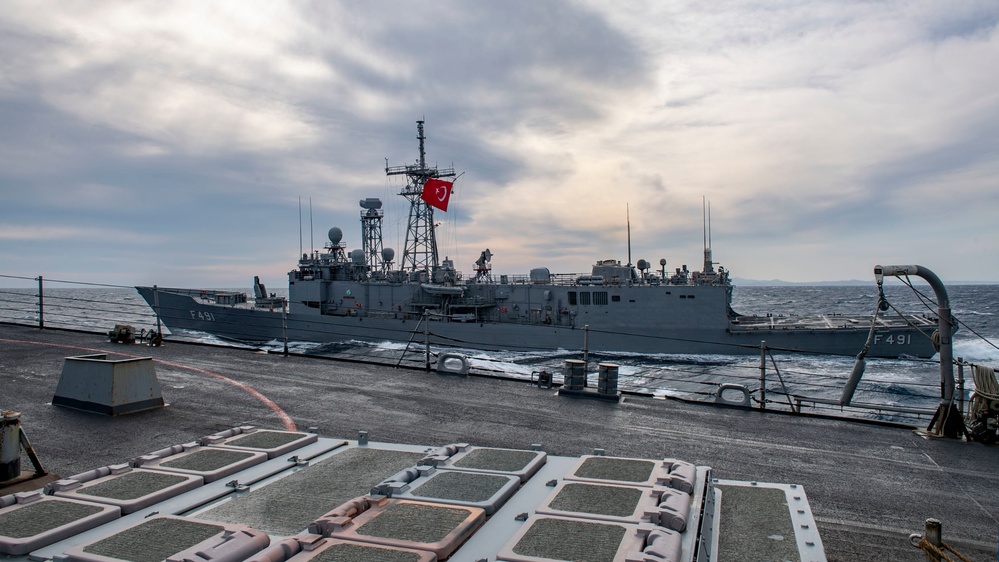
[(420, 250), (483, 268)]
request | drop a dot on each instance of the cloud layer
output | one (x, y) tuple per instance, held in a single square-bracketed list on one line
[(171, 143)]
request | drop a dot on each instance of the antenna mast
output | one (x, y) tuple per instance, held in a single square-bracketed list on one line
[(706, 216), (627, 209), (420, 253)]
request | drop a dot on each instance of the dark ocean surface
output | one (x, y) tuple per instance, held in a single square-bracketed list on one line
[(901, 383)]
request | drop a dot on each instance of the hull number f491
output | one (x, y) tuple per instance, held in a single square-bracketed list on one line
[(892, 339), (199, 315)]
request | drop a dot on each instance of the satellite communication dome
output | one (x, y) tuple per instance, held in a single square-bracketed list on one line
[(388, 254), (336, 235), (662, 262), (642, 265), (357, 257)]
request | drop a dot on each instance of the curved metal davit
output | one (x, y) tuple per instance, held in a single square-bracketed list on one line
[(947, 421)]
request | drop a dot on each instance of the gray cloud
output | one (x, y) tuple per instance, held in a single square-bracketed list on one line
[(818, 129)]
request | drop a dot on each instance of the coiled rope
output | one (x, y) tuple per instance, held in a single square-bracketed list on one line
[(932, 550), (986, 389)]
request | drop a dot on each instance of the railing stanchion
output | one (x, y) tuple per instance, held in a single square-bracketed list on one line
[(156, 309), (960, 385), (763, 375), (41, 305), (426, 337)]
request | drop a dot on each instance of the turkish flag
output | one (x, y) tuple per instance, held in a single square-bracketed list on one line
[(437, 192)]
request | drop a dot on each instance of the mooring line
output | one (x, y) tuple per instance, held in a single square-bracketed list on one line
[(289, 424)]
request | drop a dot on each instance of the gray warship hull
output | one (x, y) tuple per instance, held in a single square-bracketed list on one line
[(690, 325)]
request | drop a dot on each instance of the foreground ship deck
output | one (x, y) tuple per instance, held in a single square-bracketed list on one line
[(868, 486), (477, 503)]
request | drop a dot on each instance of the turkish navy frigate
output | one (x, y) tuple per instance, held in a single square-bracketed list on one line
[(335, 295)]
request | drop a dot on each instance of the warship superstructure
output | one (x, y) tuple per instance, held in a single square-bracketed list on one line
[(339, 295)]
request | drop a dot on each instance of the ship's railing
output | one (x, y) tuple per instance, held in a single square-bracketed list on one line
[(585, 280), (928, 392), (787, 383), (791, 384), (310, 269), (521, 279), (73, 305)]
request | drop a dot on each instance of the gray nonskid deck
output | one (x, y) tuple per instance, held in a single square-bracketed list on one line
[(868, 486)]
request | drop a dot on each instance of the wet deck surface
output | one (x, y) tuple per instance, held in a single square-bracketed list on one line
[(869, 486)]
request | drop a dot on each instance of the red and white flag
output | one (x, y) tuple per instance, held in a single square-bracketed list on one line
[(437, 192)]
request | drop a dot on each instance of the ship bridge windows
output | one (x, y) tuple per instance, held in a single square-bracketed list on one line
[(617, 298), (584, 298), (600, 298), (572, 298)]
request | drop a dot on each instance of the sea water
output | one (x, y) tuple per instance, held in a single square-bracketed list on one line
[(907, 383)]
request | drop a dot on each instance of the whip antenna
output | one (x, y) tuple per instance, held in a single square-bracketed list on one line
[(627, 209)]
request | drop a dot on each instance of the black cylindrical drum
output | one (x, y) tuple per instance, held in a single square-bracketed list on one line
[(607, 378), (574, 374)]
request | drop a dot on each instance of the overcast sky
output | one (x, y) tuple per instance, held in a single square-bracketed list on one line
[(170, 142)]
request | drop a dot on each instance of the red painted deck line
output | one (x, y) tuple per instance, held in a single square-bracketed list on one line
[(289, 424)]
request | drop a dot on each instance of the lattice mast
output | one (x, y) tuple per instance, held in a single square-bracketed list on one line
[(420, 252), (371, 232)]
